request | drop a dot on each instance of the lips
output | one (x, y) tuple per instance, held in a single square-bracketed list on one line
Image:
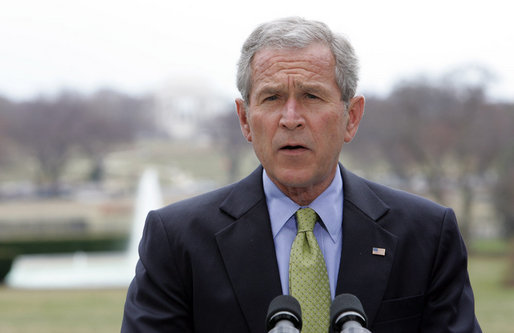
[(291, 147)]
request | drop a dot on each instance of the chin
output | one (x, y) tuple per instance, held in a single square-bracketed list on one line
[(294, 178)]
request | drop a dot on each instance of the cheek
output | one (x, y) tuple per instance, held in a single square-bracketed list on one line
[(261, 127), (257, 134), (332, 132)]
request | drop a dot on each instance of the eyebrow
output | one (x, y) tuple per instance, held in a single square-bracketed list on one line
[(269, 90), (312, 88)]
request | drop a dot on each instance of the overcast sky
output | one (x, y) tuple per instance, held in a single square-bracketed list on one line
[(137, 46)]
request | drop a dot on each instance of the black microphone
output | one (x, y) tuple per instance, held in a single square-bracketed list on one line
[(284, 315), (347, 315)]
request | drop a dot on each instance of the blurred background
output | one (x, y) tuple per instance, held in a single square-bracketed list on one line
[(111, 108)]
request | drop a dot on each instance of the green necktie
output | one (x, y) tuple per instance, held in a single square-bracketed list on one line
[(308, 278)]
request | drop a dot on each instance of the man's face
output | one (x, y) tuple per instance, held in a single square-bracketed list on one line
[(295, 117)]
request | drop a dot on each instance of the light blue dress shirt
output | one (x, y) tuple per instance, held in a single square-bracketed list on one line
[(328, 205)]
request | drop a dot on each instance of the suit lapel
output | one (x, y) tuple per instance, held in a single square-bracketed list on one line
[(361, 272), (248, 251)]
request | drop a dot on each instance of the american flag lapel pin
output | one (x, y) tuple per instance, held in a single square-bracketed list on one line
[(378, 251)]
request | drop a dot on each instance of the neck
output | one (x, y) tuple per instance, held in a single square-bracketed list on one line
[(304, 195)]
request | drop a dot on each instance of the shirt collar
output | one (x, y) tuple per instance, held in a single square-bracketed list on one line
[(328, 205)]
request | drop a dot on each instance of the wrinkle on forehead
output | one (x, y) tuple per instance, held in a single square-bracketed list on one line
[(276, 68), (288, 61)]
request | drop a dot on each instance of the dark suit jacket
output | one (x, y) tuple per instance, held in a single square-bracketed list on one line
[(208, 264)]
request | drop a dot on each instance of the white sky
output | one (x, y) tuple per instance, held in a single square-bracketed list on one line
[(136, 46)]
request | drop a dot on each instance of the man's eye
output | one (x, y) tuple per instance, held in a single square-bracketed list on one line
[(311, 96), (271, 98)]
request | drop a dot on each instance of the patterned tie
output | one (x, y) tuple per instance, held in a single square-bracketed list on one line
[(308, 278)]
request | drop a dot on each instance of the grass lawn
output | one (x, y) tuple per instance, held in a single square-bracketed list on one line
[(99, 311), (59, 311), (494, 303)]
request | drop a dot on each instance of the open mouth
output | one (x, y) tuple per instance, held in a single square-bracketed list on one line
[(295, 147)]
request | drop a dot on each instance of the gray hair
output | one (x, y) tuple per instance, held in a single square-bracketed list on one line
[(296, 32)]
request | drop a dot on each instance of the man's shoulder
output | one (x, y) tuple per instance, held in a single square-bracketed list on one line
[(396, 206), (393, 196), (217, 204), (199, 202), (399, 196), (417, 221)]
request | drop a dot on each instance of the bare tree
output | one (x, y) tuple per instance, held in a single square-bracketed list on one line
[(52, 131), (112, 119), (503, 187), (5, 115), (443, 131), (225, 132), (410, 130), (46, 130), (503, 190)]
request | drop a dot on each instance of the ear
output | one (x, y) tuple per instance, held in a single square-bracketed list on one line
[(243, 119), (355, 112)]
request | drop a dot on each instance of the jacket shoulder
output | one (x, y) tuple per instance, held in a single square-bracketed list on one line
[(403, 198), (216, 208), (361, 190)]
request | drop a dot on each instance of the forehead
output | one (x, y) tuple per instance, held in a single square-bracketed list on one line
[(315, 61)]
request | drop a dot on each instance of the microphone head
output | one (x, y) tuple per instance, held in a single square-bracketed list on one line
[(346, 307), (284, 307)]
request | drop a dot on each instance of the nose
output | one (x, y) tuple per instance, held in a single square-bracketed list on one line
[(291, 117)]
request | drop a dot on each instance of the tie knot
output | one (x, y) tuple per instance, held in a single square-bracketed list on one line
[(306, 218)]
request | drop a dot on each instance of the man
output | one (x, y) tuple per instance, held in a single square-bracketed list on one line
[(213, 263)]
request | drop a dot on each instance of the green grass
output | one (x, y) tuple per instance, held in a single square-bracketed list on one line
[(489, 247), (57, 311), (100, 311), (493, 301)]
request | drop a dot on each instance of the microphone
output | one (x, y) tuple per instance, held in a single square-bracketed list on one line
[(347, 315), (284, 315)]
